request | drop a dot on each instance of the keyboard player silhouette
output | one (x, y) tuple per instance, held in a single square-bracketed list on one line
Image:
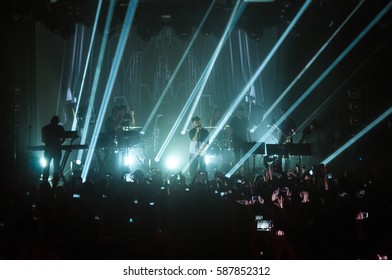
[(53, 136)]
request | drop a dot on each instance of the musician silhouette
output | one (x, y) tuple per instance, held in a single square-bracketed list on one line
[(286, 128), (53, 137), (285, 132), (113, 124)]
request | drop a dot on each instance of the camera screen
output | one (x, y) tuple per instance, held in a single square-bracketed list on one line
[(264, 225)]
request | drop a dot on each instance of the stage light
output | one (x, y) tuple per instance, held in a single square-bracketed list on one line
[(109, 86), (172, 162), (209, 159), (253, 129), (129, 160), (76, 167), (42, 162)]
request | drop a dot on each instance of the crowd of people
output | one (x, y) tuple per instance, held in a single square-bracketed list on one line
[(295, 215)]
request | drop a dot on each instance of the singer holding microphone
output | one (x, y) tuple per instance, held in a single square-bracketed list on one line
[(197, 147)]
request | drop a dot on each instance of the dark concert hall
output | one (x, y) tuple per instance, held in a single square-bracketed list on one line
[(196, 130)]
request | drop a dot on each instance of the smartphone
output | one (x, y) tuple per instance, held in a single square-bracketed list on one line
[(152, 203), (76, 195), (365, 215), (311, 172), (255, 197), (131, 220), (264, 225), (343, 194)]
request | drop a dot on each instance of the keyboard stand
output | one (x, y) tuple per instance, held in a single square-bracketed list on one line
[(64, 161)]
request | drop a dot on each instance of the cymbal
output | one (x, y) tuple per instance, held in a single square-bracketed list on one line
[(126, 128)]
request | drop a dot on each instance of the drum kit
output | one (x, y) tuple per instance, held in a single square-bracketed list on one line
[(128, 137), (219, 150), (116, 148)]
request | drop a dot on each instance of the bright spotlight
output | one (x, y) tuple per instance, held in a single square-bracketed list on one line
[(42, 161), (183, 132), (128, 160), (209, 159), (253, 129), (172, 162), (76, 167)]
